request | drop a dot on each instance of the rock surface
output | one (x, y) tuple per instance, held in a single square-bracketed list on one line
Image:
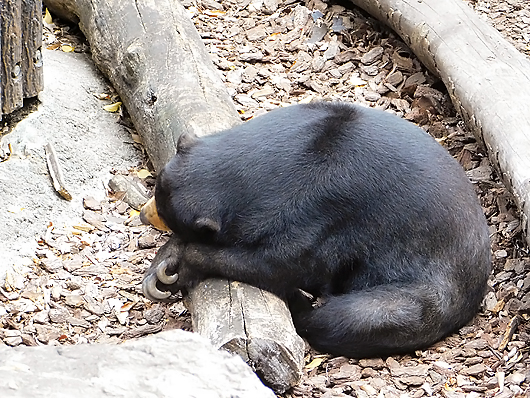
[(169, 364), (71, 117)]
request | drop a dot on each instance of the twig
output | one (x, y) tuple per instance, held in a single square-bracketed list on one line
[(510, 330), (55, 172)]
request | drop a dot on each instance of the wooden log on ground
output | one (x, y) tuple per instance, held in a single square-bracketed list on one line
[(153, 56), (155, 59), (487, 78), (249, 323)]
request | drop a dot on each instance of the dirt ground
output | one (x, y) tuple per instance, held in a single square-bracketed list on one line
[(84, 286)]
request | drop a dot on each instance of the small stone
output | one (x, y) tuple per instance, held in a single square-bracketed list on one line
[(472, 361), (415, 79), (251, 56), (317, 63), (74, 283), (52, 265), (370, 70), (95, 219), (347, 372), (11, 333), (122, 207), (257, 33), (41, 317), (73, 300), (367, 388), (475, 370), (490, 301), (332, 50), (346, 56), (13, 341), (148, 240), (177, 309), (501, 253), (246, 100), (368, 373), (79, 322), (462, 380), (92, 204), (28, 339), (154, 315), (478, 344), (373, 55), (515, 378), (374, 363), (22, 305), (46, 333), (135, 193), (249, 74), (412, 380), (281, 83), (59, 315), (264, 92), (395, 78), (371, 96)]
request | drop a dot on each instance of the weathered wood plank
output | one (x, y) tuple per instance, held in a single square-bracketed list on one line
[(11, 56), (33, 81), (487, 78), (237, 317)]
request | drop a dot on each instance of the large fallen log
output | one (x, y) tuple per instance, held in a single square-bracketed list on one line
[(487, 78), (155, 59)]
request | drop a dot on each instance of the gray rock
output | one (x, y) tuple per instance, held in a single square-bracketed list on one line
[(169, 364), (89, 144)]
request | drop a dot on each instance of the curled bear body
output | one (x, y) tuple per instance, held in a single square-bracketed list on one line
[(350, 204)]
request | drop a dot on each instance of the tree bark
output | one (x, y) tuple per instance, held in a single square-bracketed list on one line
[(487, 78), (154, 57)]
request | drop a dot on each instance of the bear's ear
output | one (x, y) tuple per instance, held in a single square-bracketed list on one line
[(186, 141), (205, 223)]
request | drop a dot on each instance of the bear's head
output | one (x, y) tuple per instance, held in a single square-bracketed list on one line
[(182, 202)]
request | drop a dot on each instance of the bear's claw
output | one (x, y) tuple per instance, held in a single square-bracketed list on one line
[(151, 291), (163, 277)]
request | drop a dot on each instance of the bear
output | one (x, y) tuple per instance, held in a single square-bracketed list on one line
[(350, 205)]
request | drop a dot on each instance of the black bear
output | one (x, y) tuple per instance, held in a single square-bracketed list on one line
[(352, 205)]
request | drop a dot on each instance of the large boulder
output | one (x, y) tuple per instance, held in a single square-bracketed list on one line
[(169, 364)]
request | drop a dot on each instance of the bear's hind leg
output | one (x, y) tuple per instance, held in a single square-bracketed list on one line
[(384, 320)]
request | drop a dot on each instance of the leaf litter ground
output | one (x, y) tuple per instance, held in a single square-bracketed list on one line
[(84, 286)]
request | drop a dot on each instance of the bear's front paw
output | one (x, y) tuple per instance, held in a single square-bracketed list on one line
[(161, 281), (158, 286)]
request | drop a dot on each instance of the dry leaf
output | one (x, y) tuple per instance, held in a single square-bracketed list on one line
[(315, 363), (48, 18), (84, 227), (144, 173), (134, 213), (66, 48), (137, 139), (113, 107), (213, 13), (53, 46), (102, 96)]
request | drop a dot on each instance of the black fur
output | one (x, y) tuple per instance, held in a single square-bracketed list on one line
[(347, 203)]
